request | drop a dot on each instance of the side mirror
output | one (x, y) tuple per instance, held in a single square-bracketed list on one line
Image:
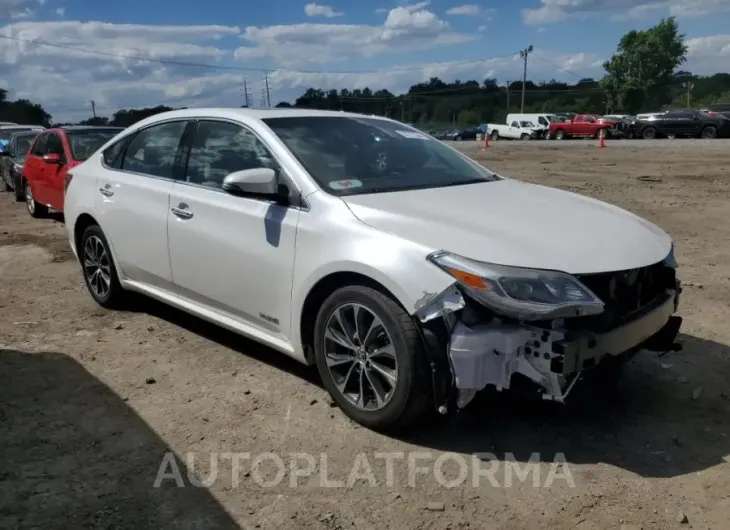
[(51, 158), (261, 182)]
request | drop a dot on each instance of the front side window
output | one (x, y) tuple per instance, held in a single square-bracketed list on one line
[(39, 148), (221, 148), (54, 146), (84, 143), (152, 151), (353, 155)]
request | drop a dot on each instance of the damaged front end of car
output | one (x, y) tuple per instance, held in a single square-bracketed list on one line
[(550, 327)]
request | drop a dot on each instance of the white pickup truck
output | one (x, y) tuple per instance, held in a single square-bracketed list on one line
[(516, 130)]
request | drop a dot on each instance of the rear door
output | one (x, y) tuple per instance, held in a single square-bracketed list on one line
[(34, 166), (133, 198)]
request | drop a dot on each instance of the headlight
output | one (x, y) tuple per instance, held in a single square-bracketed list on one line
[(525, 294)]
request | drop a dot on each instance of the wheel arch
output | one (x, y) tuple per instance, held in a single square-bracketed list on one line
[(322, 289), (83, 221)]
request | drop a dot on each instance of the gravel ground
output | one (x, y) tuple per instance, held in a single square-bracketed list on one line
[(91, 401), (678, 143)]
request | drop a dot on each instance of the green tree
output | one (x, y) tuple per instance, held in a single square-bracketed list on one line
[(641, 71)]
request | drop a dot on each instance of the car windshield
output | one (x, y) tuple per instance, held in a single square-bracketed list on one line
[(352, 155), (527, 124), (85, 143)]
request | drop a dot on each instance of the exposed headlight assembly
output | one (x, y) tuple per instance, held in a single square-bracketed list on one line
[(525, 294)]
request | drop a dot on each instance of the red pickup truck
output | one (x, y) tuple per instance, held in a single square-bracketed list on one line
[(582, 125)]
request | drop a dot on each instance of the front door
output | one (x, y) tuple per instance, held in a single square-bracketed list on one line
[(233, 254), (133, 201), (54, 173)]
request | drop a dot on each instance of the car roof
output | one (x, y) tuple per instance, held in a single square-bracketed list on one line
[(90, 127), (20, 126), (245, 112)]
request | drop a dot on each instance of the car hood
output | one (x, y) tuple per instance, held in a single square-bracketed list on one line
[(514, 223)]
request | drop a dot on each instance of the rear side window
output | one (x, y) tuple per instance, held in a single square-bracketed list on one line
[(153, 150), (39, 147)]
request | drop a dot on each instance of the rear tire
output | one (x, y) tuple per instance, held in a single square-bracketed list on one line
[(35, 209), (347, 370), (97, 266), (709, 133)]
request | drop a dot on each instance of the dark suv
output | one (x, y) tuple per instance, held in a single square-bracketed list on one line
[(682, 123), (12, 158)]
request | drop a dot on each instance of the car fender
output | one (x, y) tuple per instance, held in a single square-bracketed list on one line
[(339, 242)]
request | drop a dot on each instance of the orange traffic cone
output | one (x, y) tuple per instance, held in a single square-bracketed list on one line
[(601, 140), (486, 141)]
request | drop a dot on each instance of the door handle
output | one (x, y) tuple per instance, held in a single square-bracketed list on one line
[(181, 210), (106, 191)]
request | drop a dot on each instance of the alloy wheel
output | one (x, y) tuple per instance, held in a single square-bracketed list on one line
[(360, 357), (97, 266), (29, 200)]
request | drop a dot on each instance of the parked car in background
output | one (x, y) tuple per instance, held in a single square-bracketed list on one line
[(681, 123), (325, 236), (466, 134), (583, 126), (721, 108), (540, 120), (12, 159), (517, 130), (52, 154)]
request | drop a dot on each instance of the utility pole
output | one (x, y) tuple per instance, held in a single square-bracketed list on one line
[(263, 98), (268, 94), (689, 85), (524, 53), (246, 97), (93, 108)]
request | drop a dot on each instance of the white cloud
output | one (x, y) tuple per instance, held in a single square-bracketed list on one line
[(465, 10), (406, 28), (319, 10), (61, 11), (556, 10), (64, 80)]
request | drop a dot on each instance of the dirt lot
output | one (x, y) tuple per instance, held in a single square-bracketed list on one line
[(91, 400)]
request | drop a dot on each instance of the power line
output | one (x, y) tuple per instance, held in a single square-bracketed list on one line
[(249, 69), (560, 67)]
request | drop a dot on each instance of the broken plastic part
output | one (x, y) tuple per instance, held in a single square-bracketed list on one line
[(490, 353), (432, 306), (465, 397)]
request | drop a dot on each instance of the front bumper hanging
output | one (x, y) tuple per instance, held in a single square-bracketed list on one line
[(468, 353)]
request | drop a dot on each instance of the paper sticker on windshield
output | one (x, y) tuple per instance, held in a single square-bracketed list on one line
[(413, 135), (345, 184)]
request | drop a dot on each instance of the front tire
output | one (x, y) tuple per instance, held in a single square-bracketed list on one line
[(495, 136), (35, 209), (560, 134), (97, 265), (371, 360), (709, 133)]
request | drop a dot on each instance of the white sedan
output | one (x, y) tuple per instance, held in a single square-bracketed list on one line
[(411, 276)]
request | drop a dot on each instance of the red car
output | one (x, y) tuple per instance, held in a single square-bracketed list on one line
[(53, 153), (583, 125)]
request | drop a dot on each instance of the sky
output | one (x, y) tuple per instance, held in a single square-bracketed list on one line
[(141, 53)]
